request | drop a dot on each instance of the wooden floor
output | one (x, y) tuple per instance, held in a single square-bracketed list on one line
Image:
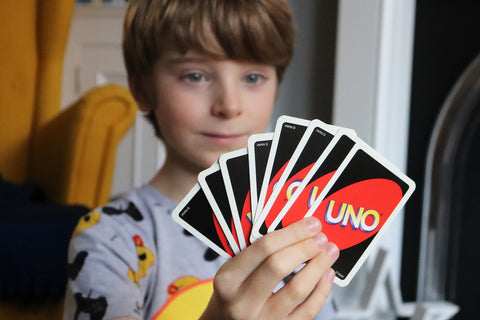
[(15, 311)]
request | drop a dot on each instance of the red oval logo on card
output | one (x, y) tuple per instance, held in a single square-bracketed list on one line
[(358, 211)]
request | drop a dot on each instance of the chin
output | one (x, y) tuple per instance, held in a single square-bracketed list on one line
[(206, 163), (209, 159)]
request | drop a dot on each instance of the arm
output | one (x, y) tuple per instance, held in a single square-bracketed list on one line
[(243, 287), (102, 255)]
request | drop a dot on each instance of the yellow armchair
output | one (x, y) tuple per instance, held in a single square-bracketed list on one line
[(74, 153), (68, 153)]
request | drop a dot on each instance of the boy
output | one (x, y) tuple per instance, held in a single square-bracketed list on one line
[(206, 73)]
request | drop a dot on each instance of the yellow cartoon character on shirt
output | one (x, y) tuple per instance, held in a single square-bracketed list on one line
[(145, 260), (187, 299), (87, 221)]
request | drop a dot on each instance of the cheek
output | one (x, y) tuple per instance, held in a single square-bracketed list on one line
[(175, 114), (175, 124), (261, 116)]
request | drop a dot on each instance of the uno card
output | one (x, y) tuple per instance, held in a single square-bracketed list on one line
[(195, 215), (258, 151), (358, 204), (304, 168), (211, 182), (316, 138), (287, 134), (234, 168), (313, 183)]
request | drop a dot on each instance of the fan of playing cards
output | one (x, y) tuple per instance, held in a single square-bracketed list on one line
[(304, 168)]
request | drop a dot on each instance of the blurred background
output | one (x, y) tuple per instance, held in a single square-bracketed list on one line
[(403, 74)]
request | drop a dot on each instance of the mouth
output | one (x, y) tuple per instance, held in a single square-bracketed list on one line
[(223, 139)]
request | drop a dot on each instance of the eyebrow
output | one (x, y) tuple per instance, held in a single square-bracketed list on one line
[(178, 60), (194, 57)]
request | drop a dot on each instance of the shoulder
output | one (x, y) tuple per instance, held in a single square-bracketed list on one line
[(138, 204), (133, 213), (131, 208)]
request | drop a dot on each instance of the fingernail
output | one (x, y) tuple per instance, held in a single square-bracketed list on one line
[(320, 240), (332, 250), (313, 225), (330, 275)]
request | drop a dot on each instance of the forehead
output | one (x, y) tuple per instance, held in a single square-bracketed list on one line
[(229, 43), (173, 58), (204, 46)]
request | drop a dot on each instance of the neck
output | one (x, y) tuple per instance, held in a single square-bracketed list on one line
[(174, 181)]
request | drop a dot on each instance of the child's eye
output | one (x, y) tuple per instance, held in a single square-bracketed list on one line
[(253, 78), (194, 77)]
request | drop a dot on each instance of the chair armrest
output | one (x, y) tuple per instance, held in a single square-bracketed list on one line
[(74, 154)]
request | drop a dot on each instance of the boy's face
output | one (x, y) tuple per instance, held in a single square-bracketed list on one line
[(207, 107)]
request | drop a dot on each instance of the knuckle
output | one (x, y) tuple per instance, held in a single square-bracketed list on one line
[(307, 250), (311, 248), (265, 246), (310, 313), (223, 282), (233, 312), (276, 266), (298, 230), (238, 312), (295, 293)]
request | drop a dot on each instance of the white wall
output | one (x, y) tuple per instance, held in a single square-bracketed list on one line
[(372, 84), (94, 57), (307, 88)]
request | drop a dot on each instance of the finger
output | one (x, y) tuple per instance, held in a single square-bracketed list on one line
[(261, 282), (316, 300), (302, 284), (249, 259), (231, 282)]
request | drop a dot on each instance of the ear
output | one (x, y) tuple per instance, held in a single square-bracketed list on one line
[(139, 98)]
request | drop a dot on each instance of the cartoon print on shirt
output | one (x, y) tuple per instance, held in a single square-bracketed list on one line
[(95, 307), (77, 264), (86, 221), (209, 255), (180, 284), (145, 260), (131, 211), (187, 299)]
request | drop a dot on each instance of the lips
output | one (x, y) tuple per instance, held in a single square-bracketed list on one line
[(224, 139)]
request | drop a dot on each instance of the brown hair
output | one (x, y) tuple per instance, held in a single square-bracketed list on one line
[(259, 31)]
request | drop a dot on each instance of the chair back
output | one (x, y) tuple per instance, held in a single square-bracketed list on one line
[(33, 38)]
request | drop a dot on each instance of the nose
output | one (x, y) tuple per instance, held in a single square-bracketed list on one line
[(227, 102)]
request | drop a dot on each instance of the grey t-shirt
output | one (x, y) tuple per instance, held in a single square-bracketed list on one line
[(130, 259)]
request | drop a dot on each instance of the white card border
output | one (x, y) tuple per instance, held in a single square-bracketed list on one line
[(340, 133), (222, 160), (271, 157), (313, 125), (176, 215), (252, 168), (213, 203)]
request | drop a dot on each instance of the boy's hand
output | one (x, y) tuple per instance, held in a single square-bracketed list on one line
[(243, 286)]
